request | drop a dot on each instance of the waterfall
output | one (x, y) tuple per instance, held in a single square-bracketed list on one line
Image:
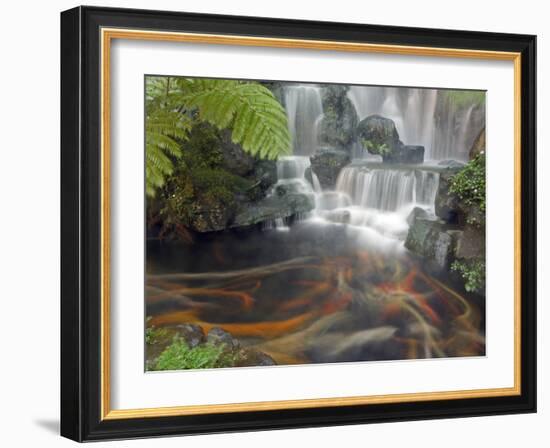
[(304, 108), (422, 117), (292, 167), (388, 189)]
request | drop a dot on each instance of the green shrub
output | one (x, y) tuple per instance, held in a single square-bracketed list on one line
[(155, 335), (179, 356), (473, 274), (200, 179), (469, 183)]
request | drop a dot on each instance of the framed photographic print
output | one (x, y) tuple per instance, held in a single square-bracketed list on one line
[(275, 224)]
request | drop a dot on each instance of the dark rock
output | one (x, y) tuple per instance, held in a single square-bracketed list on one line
[(471, 243), (250, 357), (219, 336), (235, 159), (209, 219), (433, 240), (416, 212), (265, 172), (273, 207), (478, 146), (378, 134), (413, 154), (339, 122), (192, 334), (327, 164), (447, 204)]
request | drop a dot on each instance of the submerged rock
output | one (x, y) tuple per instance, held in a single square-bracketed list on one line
[(327, 164)]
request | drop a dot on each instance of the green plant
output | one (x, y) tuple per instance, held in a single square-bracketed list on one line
[(374, 148), (469, 183), (200, 179), (256, 119), (464, 98), (472, 272), (154, 335), (179, 356)]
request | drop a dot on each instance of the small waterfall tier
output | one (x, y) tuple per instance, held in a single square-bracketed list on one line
[(388, 189), (304, 108)]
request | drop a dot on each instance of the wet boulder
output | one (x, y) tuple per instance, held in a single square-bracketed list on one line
[(327, 165), (281, 205), (218, 336), (447, 204), (192, 334), (339, 122), (416, 212), (409, 154), (433, 240), (378, 135), (249, 357)]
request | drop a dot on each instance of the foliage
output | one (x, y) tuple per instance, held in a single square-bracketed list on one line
[(469, 183), (154, 335), (179, 356), (382, 149), (464, 98), (164, 126), (200, 178), (174, 105), (472, 272), (257, 120)]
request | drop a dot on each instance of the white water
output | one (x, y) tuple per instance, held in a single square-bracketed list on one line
[(304, 108), (422, 117), (373, 202)]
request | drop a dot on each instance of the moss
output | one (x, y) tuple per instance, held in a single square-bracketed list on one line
[(200, 181), (179, 356), (374, 148), (469, 183), (472, 272)]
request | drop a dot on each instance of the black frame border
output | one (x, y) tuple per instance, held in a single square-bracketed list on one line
[(81, 223)]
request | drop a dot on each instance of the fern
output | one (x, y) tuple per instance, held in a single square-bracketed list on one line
[(256, 119), (162, 130)]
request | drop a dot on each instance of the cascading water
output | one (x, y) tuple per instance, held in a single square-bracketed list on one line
[(388, 189), (382, 198), (423, 117), (304, 108)]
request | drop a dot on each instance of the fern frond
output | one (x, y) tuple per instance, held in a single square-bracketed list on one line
[(257, 120)]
